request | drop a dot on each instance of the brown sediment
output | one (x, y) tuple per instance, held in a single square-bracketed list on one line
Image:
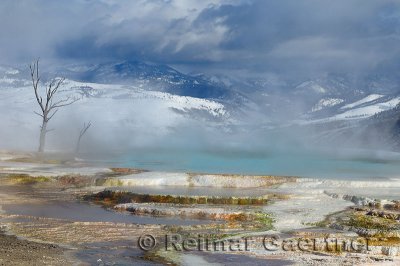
[(290, 178), (26, 179), (230, 215), (108, 179), (127, 171), (394, 206), (60, 182), (361, 220), (157, 257), (365, 222), (108, 197), (63, 232), (75, 181), (384, 241)]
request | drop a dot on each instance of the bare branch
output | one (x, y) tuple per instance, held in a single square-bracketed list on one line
[(85, 128), (38, 114), (81, 133), (51, 116), (51, 89), (34, 67), (65, 102)]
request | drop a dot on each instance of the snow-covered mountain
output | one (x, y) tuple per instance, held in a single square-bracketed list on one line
[(133, 114), (332, 97), (183, 104), (365, 107), (157, 99), (329, 98), (147, 76)]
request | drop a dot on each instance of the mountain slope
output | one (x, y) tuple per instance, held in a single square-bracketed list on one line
[(157, 100), (121, 115), (147, 76)]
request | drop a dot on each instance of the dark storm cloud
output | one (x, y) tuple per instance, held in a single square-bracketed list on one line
[(287, 35), (310, 35)]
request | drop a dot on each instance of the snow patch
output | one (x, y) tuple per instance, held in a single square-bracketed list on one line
[(12, 72), (369, 98), (311, 85), (368, 111), (182, 103), (329, 102)]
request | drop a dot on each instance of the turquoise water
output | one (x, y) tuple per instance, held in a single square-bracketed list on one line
[(348, 165)]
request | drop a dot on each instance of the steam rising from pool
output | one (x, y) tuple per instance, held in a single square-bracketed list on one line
[(149, 135)]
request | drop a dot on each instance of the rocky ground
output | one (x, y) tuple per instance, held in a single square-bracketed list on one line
[(45, 203), (14, 251)]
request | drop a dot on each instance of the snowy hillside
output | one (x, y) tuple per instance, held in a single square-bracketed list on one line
[(329, 98), (119, 113), (360, 109), (124, 92), (324, 103), (367, 110), (367, 99), (148, 77), (136, 102)]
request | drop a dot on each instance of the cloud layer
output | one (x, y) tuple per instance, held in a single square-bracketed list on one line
[(257, 36)]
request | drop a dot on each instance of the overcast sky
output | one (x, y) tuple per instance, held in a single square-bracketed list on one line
[(256, 36)]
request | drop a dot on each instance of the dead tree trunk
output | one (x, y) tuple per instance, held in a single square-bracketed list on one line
[(48, 107), (81, 133), (43, 131)]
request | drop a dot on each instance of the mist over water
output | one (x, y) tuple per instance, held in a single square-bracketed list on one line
[(149, 135), (316, 165), (192, 147), (275, 156)]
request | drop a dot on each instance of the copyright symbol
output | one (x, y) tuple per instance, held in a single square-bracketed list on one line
[(147, 242)]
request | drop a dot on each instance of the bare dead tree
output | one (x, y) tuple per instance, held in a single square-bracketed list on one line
[(81, 133), (48, 106)]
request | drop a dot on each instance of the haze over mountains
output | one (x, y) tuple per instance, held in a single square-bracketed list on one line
[(146, 101)]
